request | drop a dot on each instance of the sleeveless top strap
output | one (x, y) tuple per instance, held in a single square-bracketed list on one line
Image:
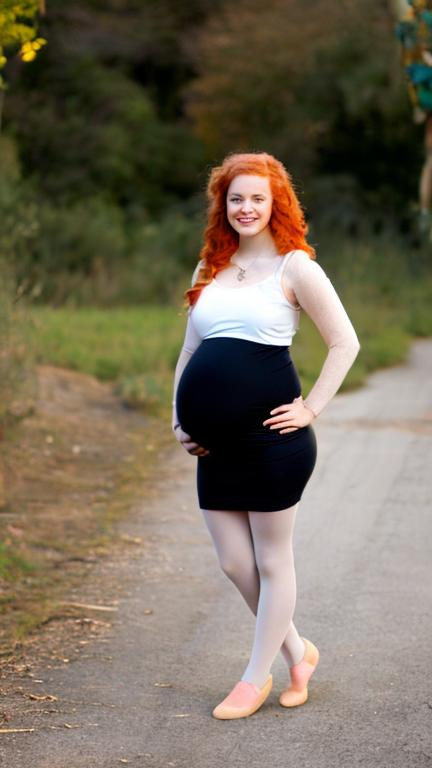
[(285, 259)]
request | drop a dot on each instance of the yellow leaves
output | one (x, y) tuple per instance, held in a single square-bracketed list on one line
[(33, 45), (29, 49), (18, 30), (29, 56)]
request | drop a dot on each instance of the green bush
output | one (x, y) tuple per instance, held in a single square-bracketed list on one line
[(90, 254), (90, 129), (17, 377)]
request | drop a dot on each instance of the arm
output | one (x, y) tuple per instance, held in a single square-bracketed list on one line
[(317, 296), (192, 340)]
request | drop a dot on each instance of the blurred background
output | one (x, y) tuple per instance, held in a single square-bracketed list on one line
[(112, 115)]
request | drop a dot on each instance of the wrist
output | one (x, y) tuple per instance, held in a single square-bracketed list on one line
[(310, 410)]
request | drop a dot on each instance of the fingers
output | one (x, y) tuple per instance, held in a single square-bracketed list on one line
[(283, 416), (286, 406), (292, 422), (194, 448), (287, 417), (199, 451), (283, 411)]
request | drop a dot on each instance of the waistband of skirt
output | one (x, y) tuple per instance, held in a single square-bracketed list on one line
[(237, 340)]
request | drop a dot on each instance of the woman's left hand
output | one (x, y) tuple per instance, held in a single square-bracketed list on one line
[(291, 416)]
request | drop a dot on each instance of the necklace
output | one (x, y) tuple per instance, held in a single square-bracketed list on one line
[(242, 273)]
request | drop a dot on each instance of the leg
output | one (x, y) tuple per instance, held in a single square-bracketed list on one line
[(272, 534), (232, 538)]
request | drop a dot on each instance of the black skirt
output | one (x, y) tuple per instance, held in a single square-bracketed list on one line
[(226, 390)]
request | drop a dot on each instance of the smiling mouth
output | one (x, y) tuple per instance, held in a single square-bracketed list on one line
[(246, 221)]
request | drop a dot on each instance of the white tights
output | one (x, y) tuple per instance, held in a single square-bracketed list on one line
[(255, 552)]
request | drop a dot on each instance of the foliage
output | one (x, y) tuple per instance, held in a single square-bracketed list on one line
[(115, 127), (17, 380), (98, 133), (18, 28), (18, 209), (17, 384), (312, 93)]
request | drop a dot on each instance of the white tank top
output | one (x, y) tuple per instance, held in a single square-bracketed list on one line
[(257, 312)]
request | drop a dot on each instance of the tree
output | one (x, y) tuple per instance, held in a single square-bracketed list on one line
[(319, 85), (18, 29)]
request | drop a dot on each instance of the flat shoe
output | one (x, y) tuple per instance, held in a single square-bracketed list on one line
[(244, 699), (297, 692)]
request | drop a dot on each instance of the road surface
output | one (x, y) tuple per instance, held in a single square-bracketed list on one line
[(143, 694)]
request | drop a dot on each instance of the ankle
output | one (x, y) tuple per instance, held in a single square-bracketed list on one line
[(302, 651), (259, 682)]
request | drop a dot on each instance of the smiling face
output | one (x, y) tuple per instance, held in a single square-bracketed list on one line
[(249, 204)]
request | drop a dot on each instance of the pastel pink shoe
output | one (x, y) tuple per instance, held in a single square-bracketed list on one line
[(297, 693), (244, 699)]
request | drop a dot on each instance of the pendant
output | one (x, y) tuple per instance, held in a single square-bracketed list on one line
[(241, 274)]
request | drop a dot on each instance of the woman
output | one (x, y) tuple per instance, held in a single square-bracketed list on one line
[(238, 405)]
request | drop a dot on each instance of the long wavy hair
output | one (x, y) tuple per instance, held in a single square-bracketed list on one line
[(287, 222)]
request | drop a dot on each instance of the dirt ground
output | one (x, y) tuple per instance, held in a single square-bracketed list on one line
[(72, 468)]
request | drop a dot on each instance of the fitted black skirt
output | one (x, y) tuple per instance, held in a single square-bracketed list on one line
[(226, 390)]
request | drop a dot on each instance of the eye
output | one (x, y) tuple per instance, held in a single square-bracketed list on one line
[(238, 200)]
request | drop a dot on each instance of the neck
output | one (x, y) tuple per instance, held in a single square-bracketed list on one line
[(252, 247)]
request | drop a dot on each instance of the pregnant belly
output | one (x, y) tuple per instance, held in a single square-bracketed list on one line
[(228, 388)]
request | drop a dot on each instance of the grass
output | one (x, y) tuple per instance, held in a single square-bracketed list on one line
[(108, 343), (137, 348)]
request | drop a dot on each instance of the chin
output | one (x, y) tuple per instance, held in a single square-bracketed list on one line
[(248, 230)]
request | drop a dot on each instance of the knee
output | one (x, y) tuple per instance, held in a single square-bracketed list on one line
[(271, 565), (234, 568)]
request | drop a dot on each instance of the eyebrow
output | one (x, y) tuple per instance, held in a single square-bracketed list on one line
[(256, 194)]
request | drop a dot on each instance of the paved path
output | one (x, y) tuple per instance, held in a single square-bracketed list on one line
[(363, 562)]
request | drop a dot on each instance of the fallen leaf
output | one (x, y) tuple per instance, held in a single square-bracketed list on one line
[(16, 730), (91, 607), (45, 697)]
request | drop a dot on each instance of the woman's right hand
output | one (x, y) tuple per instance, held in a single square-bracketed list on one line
[(188, 444)]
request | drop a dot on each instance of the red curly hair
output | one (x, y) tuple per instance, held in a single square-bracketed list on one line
[(287, 222)]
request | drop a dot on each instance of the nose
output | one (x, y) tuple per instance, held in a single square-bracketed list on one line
[(247, 206)]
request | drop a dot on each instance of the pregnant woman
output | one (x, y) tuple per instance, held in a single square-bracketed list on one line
[(238, 405)]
